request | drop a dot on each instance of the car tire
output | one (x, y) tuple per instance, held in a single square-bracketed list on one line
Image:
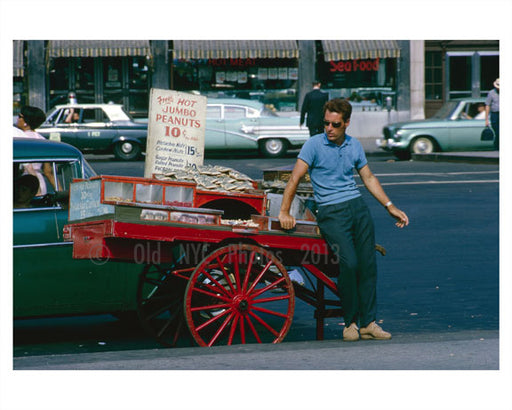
[(127, 150), (273, 147), (422, 145)]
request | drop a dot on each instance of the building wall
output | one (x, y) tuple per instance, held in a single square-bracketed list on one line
[(417, 87), (422, 81), (36, 73), (458, 68)]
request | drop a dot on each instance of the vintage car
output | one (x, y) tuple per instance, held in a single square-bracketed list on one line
[(240, 124), (96, 128), (457, 126), (47, 281), (231, 123)]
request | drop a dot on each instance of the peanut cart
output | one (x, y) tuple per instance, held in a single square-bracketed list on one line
[(214, 264)]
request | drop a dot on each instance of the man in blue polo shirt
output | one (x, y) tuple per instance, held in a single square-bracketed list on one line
[(343, 217)]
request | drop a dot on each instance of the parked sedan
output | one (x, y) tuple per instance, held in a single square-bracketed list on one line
[(96, 128), (47, 281), (457, 126), (240, 124)]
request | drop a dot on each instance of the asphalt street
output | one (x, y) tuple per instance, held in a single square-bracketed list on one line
[(464, 350), (278, 376), (456, 358)]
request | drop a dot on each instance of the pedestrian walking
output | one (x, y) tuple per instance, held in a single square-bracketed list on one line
[(492, 112), (343, 217), (313, 109)]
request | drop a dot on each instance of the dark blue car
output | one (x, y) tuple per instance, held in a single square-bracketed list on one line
[(96, 128)]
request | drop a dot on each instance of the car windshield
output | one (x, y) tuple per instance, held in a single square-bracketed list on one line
[(88, 170), (446, 110), (52, 117)]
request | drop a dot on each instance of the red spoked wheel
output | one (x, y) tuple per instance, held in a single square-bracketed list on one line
[(239, 294), (160, 302)]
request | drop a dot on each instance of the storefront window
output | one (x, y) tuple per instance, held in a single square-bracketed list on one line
[(366, 83), (466, 68), (19, 95), (71, 74), (271, 81), (59, 74), (59, 78), (125, 81), (489, 71), (113, 80), (138, 73), (433, 75), (83, 79), (84, 75), (460, 76), (138, 91)]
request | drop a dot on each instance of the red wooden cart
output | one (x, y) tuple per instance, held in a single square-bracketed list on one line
[(225, 280)]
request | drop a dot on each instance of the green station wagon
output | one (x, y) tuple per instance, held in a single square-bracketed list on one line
[(47, 281), (457, 126)]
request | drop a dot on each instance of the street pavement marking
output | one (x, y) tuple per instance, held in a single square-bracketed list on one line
[(477, 181), (437, 173)]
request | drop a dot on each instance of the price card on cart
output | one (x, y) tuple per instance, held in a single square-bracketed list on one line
[(176, 126)]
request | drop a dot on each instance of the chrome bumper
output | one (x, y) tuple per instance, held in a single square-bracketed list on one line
[(388, 144)]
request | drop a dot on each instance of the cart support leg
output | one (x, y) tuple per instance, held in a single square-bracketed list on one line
[(320, 311)]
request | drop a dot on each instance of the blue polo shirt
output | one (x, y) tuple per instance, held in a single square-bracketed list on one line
[(331, 168)]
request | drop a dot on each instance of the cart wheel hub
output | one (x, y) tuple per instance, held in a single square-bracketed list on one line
[(241, 303)]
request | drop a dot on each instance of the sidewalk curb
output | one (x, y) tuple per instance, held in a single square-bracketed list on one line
[(487, 157), (466, 350)]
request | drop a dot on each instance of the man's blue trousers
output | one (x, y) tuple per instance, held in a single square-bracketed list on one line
[(348, 229)]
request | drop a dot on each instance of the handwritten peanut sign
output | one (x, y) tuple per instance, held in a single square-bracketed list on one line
[(176, 126)]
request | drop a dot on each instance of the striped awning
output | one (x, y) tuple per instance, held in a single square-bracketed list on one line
[(214, 49), (98, 48), (18, 58), (337, 50)]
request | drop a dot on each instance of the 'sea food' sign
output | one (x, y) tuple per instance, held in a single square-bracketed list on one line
[(176, 127)]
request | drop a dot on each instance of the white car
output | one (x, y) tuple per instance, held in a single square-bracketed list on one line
[(241, 124)]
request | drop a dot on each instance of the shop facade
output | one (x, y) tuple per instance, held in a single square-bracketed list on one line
[(457, 69), (268, 70), (95, 71), (271, 72), (279, 73), (264, 70), (100, 71), (363, 71), (19, 89)]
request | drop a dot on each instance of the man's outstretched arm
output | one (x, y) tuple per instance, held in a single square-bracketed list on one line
[(375, 188)]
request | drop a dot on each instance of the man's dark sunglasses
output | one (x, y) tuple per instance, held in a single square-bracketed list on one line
[(334, 124)]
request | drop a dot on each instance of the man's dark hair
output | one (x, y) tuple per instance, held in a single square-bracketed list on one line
[(341, 106), (33, 116)]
